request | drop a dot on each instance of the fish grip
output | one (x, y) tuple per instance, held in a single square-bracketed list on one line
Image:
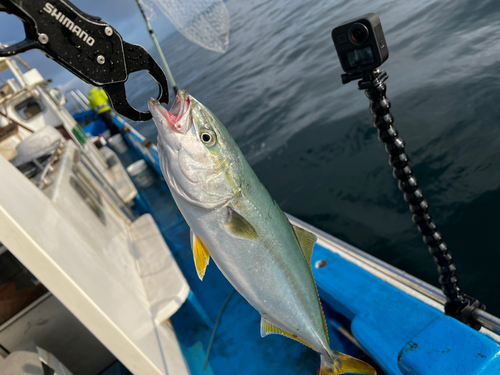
[(136, 61), (85, 45)]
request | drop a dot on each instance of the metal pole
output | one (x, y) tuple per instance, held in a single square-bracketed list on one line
[(24, 63), (157, 45)]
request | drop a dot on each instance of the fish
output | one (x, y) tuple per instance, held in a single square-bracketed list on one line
[(235, 222)]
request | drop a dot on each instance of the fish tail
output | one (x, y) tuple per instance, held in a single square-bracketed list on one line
[(340, 363)]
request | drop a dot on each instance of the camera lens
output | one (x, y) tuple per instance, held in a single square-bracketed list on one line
[(358, 33)]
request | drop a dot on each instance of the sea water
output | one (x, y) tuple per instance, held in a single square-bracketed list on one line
[(311, 141)]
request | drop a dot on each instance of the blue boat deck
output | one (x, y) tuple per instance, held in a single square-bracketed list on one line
[(401, 333)]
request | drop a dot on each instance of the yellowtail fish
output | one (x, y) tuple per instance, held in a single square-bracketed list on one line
[(235, 221)]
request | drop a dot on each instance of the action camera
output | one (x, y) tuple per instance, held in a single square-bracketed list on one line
[(360, 44)]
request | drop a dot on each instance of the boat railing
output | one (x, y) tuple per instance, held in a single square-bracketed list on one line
[(36, 165), (9, 89), (78, 100), (52, 159)]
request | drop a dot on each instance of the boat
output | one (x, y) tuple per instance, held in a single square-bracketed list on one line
[(98, 275)]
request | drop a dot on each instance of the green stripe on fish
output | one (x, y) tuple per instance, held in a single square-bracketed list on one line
[(235, 221)]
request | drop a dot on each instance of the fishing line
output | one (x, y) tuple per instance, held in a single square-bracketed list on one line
[(215, 327)]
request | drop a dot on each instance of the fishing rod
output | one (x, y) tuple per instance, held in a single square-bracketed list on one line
[(171, 79), (361, 47)]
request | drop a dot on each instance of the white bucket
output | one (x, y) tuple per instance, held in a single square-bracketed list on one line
[(140, 173), (118, 143)]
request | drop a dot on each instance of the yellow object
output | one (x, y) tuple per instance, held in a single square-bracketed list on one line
[(201, 257), (98, 100), (346, 364)]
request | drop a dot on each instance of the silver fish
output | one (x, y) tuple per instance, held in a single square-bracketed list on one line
[(235, 221)]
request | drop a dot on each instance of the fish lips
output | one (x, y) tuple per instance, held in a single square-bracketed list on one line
[(177, 119)]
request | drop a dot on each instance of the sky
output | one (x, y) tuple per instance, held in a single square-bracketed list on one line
[(123, 15)]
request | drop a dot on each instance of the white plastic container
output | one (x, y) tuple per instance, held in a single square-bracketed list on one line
[(140, 173), (118, 143)]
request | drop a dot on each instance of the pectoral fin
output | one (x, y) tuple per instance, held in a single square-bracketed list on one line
[(267, 328), (200, 254), (239, 226)]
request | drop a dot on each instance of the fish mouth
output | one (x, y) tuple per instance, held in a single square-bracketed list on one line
[(175, 118)]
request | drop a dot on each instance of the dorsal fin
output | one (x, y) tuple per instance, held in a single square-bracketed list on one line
[(306, 241), (200, 254), (268, 328)]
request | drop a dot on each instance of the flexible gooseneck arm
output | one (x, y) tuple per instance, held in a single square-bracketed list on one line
[(458, 305)]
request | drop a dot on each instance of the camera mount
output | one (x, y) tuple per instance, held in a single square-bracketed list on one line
[(371, 80)]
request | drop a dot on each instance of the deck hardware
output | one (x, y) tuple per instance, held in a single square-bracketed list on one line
[(320, 263), (365, 69), (108, 31), (100, 59), (146, 143)]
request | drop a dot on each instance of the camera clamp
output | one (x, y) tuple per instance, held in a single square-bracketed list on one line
[(458, 305)]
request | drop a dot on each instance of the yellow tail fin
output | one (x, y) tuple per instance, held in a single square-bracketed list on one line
[(345, 364)]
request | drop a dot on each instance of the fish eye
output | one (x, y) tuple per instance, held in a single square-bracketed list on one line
[(208, 137)]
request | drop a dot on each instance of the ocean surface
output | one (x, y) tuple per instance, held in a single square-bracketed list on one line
[(311, 141)]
